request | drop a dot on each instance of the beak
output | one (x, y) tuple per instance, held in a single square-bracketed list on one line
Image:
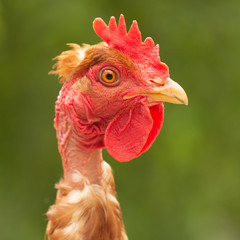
[(164, 91)]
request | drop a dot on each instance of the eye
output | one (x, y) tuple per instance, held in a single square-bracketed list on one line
[(108, 76)]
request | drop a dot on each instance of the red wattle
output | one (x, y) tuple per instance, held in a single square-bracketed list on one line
[(132, 132), (157, 113)]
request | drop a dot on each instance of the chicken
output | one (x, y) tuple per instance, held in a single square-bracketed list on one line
[(112, 97)]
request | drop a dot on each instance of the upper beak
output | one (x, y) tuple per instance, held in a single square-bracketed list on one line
[(164, 91)]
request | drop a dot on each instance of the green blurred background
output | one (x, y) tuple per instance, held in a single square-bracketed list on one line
[(187, 186)]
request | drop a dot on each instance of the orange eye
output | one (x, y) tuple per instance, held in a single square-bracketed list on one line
[(108, 76)]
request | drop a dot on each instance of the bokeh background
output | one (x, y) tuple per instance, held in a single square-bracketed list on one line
[(187, 186)]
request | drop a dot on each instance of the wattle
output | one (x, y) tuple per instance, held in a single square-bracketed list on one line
[(133, 131)]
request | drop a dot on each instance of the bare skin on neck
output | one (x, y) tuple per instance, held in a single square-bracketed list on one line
[(75, 158), (88, 163)]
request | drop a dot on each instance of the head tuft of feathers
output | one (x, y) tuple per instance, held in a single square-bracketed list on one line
[(128, 46)]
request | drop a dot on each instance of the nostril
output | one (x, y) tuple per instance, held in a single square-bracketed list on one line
[(157, 81)]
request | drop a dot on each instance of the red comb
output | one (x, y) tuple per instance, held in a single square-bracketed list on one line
[(129, 42)]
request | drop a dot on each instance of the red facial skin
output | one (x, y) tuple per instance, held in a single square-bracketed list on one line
[(102, 118)]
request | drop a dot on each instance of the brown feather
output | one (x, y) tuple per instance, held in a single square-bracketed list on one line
[(86, 211), (69, 63)]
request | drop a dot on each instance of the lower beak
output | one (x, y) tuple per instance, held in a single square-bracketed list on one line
[(167, 91)]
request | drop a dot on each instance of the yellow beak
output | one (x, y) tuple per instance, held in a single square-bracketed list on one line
[(164, 91)]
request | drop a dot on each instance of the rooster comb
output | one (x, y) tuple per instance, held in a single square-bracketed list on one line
[(128, 42)]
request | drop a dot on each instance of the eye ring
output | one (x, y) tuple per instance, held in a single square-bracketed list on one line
[(109, 76)]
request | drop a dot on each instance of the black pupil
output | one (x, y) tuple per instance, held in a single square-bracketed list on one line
[(109, 76)]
